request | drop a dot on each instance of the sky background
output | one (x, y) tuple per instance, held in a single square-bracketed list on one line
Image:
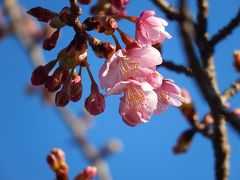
[(30, 129)]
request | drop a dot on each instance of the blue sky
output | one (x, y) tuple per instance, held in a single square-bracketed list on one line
[(30, 129)]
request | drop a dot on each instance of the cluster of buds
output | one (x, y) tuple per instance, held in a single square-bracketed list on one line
[(56, 161), (63, 79)]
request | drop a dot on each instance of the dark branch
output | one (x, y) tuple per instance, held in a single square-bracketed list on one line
[(225, 31), (171, 13), (201, 26), (234, 89), (177, 68)]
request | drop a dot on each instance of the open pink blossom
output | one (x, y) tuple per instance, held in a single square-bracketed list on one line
[(128, 64), (168, 94), (151, 29), (138, 103)]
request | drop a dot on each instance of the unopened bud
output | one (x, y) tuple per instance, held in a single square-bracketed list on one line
[(95, 102), (102, 24), (75, 88), (42, 14), (87, 174), (184, 141), (53, 83), (39, 76), (84, 1), (208, 119), (236, 112), (102, 49), (40, 73), (56, 160), (51, 42), (62, 98), (236, 56)]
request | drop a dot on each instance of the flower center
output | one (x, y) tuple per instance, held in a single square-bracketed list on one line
[(126, 65), (135, 98)]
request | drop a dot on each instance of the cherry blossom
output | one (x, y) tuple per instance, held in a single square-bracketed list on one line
[(151, 29)]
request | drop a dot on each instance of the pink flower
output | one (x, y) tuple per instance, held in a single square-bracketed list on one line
[(128, 64), (168, 94), (138, 103), (151, 29)]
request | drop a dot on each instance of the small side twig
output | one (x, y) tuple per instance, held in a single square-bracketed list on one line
[(177, 68), (231, 91), (171, 12), (225, 31)]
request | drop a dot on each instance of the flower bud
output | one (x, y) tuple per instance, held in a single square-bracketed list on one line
[(87, 174), (51, 42), (75, 88), (56, 160), (62, 98), (95, 102), (236, 112), (102, 49), (208, 119), (184, 141), (101, 24), (84, 1), (40, 73), (42, 14), (236, 56), (53, 83)]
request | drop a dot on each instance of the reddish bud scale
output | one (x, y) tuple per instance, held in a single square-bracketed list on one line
[(42, 14), (51, 42)]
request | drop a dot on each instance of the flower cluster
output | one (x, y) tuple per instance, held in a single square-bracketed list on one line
[(132, 71)]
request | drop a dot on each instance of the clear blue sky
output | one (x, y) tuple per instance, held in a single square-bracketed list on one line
[(29, 130)]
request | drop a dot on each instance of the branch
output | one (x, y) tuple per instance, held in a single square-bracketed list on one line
[(177, 68), (171, 13), (201, 26), (225, 31), (207, 84), (233, 90)]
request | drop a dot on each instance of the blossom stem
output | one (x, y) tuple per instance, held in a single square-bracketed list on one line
[(90, 73)]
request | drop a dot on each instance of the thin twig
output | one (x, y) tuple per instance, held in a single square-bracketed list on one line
[(171, 12), (177, 68), (231, 91), (225, 31)]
